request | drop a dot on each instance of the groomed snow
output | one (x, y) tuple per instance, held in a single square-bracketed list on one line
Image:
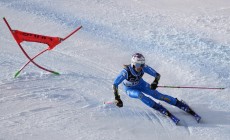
[(187, 42)]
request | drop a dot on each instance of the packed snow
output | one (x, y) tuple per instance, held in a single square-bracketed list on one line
[(186, 41)]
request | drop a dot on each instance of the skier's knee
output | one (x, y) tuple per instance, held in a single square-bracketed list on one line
[(168, 99)]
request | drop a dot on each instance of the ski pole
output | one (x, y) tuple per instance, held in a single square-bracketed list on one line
[(190, 87)]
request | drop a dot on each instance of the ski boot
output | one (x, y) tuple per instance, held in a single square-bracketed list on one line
[(165, 112), (183, 106)]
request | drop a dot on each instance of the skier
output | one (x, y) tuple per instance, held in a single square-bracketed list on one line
[(136, 87)]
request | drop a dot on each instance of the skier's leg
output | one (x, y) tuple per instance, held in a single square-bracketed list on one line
[(134, 93), (157, 95), (169, 99)]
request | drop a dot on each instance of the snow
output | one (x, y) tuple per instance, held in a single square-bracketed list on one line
[(186, 41)]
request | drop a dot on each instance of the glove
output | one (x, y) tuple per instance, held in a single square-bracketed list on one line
[(119, 101), (154, 85)]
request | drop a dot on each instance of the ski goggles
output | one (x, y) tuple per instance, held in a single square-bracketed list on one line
[(138, 65)]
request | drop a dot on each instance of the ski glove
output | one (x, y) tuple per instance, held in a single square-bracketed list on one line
[(154, 85), (119, 102)]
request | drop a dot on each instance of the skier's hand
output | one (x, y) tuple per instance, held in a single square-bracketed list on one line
[(154, 85), (119, 102)]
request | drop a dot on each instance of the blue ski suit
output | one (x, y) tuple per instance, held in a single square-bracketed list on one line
[(136, 87)]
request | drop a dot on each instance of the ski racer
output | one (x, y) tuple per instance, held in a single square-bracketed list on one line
[(136, 87)]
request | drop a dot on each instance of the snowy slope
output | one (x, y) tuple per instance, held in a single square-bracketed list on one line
[(187, 42)]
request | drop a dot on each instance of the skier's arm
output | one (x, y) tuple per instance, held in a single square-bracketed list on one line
[(119, 79), (116, 82), (153, 73)]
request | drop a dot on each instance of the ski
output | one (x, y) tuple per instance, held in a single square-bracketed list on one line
[(195, 115), (173, 118)]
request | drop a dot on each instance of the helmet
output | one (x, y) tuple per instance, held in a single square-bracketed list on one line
[(137, 60)]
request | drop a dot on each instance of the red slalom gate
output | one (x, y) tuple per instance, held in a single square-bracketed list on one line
[(52, 42)]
